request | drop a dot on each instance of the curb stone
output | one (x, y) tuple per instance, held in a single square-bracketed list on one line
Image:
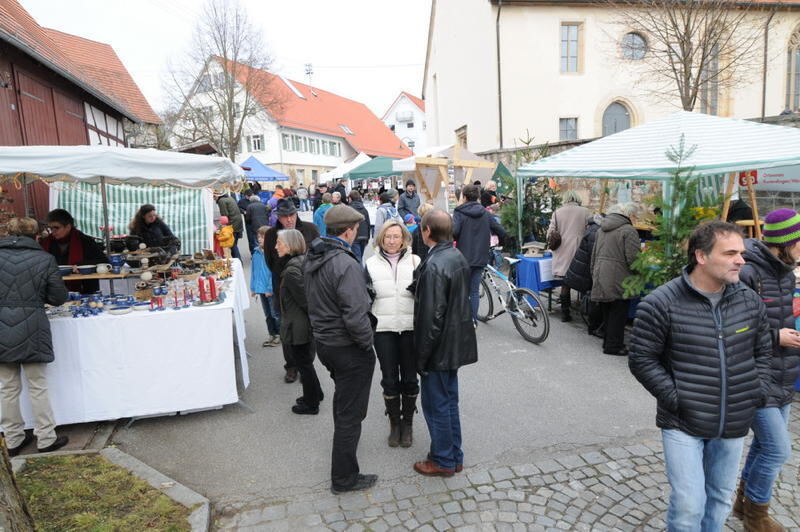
[(199, 519)]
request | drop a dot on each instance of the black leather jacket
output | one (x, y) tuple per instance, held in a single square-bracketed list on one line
[(708, 369), (579, 275), (774, 281), (443, 329)]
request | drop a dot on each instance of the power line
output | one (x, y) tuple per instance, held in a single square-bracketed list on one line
[(407, 65)]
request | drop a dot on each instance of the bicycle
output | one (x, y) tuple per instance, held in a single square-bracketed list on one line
[(523, 305)]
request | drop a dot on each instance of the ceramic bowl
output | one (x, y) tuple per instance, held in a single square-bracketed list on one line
[(65, 270), (87, 269), (120, 310), (142, 305)]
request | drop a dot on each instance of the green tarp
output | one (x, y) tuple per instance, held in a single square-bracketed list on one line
[(377, 167), (181, 209)]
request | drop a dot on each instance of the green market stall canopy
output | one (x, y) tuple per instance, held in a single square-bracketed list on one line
[(377, 167)]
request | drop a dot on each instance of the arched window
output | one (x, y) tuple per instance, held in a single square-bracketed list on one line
[(793, 72), (615, 119)]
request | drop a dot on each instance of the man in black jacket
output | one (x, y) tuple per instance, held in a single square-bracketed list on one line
[(286, 213), (444, 336), (701, 345), (473, 226), (338, 308), (256, 215)]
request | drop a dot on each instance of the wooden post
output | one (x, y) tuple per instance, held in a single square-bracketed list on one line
[(726, 205), (754, 205), (603, 195)]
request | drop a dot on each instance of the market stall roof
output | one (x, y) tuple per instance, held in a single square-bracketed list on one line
[(136, 167), (722, 145), (377, 167), (343, 168), (261, 172)]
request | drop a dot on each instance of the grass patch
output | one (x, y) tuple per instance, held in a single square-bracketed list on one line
[(87, 492)]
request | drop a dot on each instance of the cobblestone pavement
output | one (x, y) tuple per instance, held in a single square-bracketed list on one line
[(621, 488)]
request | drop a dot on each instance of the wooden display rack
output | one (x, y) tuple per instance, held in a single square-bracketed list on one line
[(442, 164), (753, 228)]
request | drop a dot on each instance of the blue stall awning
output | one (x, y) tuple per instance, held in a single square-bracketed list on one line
[(261, 172)]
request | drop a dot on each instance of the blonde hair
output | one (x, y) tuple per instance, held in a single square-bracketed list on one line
[(388, 225), (424, 209), (23, 227), (294, 241), (262, 232)]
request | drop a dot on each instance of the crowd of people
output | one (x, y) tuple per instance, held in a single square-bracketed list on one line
[(717, 346)]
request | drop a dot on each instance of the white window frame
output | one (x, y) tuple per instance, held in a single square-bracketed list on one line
[(564, 128), (257, 142), (565, 50)]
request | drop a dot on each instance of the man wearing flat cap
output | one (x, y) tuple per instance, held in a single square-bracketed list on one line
[(287, 218), (338, 308)]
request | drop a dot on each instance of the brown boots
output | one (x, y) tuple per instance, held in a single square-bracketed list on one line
[(757, 519), (407, 425), (393, 411), (755, 516)]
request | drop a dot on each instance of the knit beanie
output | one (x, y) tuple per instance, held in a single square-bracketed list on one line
[(782, 227)]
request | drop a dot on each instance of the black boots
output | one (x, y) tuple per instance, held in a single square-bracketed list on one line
[(407, 425), (393, 411), (566, 309)]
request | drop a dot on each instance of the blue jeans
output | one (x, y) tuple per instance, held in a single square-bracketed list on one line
[(273, 318), (303, 205), (770, 449), (475, 274), (702, 474), (440, 408)]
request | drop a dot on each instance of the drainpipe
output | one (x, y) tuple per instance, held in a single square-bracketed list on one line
[(499, 80), (764, 75)]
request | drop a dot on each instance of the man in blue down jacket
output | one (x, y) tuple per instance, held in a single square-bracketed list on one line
[(338, 308), (701, 345), (445, 340), (29, 278), (473, 227)]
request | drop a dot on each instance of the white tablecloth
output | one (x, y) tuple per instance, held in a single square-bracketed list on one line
[(146, 363)]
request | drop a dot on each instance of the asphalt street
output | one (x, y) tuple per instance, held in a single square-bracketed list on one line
[(519, 404)]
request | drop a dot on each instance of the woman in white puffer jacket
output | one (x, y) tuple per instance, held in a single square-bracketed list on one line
[(390, 271)]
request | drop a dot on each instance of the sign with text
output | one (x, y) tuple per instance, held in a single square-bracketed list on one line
[(782, 178)]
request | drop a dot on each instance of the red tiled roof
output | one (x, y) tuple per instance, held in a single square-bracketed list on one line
[(325, 112), (416, 101), (20, 29), (104, 66)]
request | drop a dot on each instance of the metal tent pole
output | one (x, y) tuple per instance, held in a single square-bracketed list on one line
[(106, 232)]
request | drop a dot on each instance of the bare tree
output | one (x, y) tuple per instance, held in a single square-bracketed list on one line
[(223, 80), (691, 49)]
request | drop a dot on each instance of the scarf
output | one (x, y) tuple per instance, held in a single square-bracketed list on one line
[(74, 249)]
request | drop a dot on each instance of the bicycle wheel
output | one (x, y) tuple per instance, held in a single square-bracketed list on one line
[(485, 301), (529, 315)]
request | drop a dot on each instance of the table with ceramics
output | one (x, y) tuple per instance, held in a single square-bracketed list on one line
[(145, 363)]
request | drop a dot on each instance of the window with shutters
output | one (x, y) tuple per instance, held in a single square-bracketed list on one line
[(257, 142)]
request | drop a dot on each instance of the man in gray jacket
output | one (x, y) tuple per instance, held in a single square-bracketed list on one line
[(338, 307), (409, 200)]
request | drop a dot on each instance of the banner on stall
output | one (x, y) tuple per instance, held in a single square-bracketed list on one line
[(779, 179)]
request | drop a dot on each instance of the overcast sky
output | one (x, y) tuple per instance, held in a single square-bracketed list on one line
[(367, 50)]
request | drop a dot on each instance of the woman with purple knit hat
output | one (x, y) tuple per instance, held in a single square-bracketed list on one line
[(769, 270)]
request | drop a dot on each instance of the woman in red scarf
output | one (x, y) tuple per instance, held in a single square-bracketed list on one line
[(70, 246)]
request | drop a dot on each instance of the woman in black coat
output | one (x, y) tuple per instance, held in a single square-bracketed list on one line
[(149, 226), (769, 270), (29, 278), (295, 325)]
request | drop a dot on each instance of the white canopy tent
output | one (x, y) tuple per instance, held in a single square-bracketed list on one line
[(723, 145), (94, 164), (343, 168), (106, 165), (720, 146)]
